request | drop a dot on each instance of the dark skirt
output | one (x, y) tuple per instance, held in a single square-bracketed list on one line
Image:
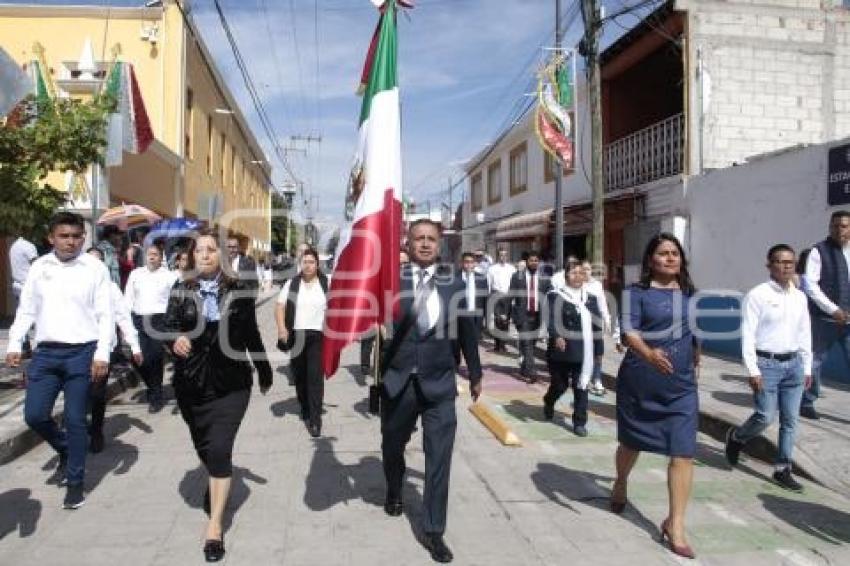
[(655, 412), (213, 423)]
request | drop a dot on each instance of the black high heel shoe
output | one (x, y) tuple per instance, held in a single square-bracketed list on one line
[(214, 549)]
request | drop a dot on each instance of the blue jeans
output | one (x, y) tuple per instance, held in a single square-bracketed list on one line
[(824, 335), (68, 370), (782, 388)]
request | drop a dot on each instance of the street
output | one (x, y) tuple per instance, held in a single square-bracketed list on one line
[(297, 501)]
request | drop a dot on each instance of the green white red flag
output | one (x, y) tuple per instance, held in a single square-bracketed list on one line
[(365, 280), (129, 128)]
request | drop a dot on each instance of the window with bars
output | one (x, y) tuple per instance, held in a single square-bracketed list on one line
[(476, 199), (519, 168), (494, 182)]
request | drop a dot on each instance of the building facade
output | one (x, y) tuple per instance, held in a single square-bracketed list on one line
[(205, 162)]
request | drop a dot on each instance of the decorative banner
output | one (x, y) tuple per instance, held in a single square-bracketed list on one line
[(14, 83), (555, 101), (129, 128)]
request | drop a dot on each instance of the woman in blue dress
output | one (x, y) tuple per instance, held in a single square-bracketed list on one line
[(657, 401)]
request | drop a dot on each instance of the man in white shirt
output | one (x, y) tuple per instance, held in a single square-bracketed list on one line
[(499, 279), (21, 255), (146, 294), (776, 346), (474, 298), (67, 297), (827, 283)]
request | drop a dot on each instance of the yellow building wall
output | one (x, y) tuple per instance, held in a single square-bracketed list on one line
[(165, 71)]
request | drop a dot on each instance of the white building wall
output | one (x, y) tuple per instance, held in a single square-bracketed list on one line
[(736, 214), (539, 195), (767, 74)]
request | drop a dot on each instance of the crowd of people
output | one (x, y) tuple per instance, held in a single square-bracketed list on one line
[(75, 300)]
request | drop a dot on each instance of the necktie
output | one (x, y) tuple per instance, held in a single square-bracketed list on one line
[(532, 295), (420, 303)]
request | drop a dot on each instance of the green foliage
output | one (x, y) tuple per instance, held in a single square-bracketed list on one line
[(37, 138), (280, 215)]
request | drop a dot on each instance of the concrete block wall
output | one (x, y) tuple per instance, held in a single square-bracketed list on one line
[(775, 73)]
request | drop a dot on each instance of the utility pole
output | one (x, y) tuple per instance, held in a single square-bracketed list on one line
[(559, 197), (592, 27)]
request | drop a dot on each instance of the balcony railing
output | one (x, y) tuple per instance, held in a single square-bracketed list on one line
[(654, 152)]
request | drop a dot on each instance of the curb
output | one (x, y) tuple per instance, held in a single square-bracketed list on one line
[(25, 439)]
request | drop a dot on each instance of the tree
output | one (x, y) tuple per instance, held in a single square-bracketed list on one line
[(37, 138)]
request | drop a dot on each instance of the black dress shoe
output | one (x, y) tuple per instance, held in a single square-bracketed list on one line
[(438, 549), (786, 480), (733, 448), (393, 507), (214, 550), (315, 430), (809, 412)]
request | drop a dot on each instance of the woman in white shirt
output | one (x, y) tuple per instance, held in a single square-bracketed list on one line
[(300, 316), (147, 292)]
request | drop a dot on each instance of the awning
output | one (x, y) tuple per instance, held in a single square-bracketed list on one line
[(525, 226)]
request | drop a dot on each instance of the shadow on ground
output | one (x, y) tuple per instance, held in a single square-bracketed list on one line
[(19, 512), (816, 520), (194, 484)]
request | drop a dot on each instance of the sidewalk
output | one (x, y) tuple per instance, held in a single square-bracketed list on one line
[(821, 449)]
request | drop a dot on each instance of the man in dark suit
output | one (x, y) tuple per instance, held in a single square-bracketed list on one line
[(528, 291), (243, 266), (474, 298), (419, 379)]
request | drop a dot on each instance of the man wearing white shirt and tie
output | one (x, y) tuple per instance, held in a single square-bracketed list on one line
[(528, 291), (499, 278), (776, 343), (67, 297), (474, 297)]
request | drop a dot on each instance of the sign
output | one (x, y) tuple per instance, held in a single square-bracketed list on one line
[(838, 180)]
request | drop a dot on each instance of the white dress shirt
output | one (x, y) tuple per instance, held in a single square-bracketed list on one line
[(147, 291), (775, 320), (528, 290), (499, 277), (121, 312), (469, 279), (69, 302), (21, 255), (812, 276), (432, 304), (310, 306)]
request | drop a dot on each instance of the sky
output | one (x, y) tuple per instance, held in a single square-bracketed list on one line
[(465, 68)]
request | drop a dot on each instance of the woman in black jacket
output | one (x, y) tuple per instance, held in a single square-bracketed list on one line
[(211, 321), (575, 339)]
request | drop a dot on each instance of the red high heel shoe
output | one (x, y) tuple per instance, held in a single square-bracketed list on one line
[(684, 550)]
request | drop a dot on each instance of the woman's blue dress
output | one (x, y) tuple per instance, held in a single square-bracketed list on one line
[(657, 412)]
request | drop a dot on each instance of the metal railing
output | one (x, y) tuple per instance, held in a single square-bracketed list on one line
[(654, 152)]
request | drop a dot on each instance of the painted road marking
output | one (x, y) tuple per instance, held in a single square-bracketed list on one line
[(724, 514)]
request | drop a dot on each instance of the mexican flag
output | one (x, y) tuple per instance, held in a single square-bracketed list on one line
[(129, 128), (365, 280)]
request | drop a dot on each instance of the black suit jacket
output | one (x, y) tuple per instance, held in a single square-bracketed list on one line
[(431, 355), (519, 304), (565, 322), (248, 271)]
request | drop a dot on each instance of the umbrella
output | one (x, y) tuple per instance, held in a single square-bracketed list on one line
[(175, 228), (127, 216)]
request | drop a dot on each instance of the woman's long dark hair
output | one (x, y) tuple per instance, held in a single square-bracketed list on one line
[(190, 249), (684, 277)]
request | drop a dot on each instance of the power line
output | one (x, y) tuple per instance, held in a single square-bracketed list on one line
[(252, 92)]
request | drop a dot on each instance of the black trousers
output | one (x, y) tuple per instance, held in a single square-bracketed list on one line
[(479, 322), (501, 320), (213, 424), (562, 376), (97, 405), (152, 365), (439, 422), (366, 345), (528, 331), (307, 369)]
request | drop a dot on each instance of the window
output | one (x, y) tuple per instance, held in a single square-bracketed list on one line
[(549, 168), (476, 197), (189, 148), (222, 156), (519, 168), (210, 142), (494, 182)]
